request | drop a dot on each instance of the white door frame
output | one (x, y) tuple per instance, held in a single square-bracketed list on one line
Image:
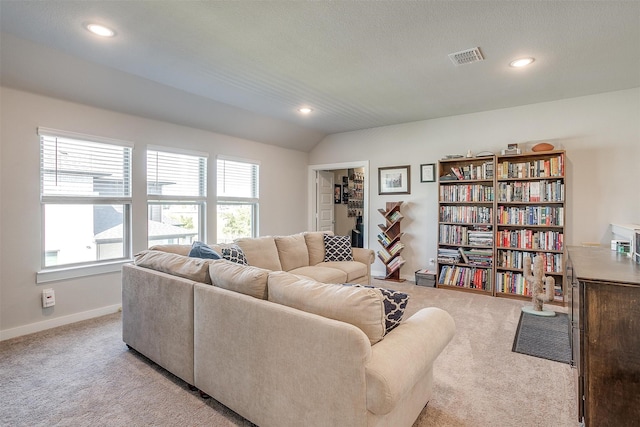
[(311, 191)]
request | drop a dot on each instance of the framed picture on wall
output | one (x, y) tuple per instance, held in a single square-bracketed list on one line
[(428, 172), (394, 180), (337, 194)]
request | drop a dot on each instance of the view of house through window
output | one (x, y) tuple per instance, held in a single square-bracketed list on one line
[(85, 190), (238, 197), (176, 189)]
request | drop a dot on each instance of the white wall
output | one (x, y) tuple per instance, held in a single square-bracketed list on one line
[(601, 134), (283, 195)]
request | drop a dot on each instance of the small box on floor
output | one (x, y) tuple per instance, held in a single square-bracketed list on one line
[(426, 277)]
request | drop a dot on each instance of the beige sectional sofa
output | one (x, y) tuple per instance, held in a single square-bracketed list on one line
[(282, 349), (302, 254)]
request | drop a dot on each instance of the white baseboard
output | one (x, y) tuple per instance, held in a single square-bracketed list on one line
[(58, 321)]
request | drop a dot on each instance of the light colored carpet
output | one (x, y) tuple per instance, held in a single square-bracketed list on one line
[(83, 375)]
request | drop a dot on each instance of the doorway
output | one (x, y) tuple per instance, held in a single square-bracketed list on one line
[(350, 209)]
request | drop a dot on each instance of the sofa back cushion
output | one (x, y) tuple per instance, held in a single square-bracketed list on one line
[(173, 249), (292, 251), (246, 280), (315, 245), (359, 306), (196, 269), (260, 252)]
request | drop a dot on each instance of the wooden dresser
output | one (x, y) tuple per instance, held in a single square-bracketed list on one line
[(604, 324)]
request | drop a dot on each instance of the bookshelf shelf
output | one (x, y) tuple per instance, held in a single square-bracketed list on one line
[(390, 240), (516, 203)]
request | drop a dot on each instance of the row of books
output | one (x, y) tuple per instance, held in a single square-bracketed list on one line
[(470, 171), (384, 239), (466, 214), (529, 239), (533, 191), (465, 277), (395, 263), (477, 257), (480, 236), (395, 216), (543, 168), (514, 283), (531, 215), (515, 259), (448, 256), (465, 235), (466, 193)]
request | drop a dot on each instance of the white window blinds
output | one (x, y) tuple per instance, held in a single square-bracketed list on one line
[(176, 174), (237, 179), (72, 167)]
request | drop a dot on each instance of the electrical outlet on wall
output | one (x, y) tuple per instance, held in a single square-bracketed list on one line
[(48, 298)]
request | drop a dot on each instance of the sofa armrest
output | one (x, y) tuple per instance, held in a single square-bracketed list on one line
[(363, 255), (405, 356)]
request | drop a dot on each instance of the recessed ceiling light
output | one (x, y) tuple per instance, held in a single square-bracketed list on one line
[(100, 30), (522, 62), (305, 110)]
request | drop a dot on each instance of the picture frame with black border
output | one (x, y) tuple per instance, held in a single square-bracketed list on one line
[(428, 172), (394, 180)]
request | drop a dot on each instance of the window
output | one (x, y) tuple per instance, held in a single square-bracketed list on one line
[(177, 191), (85, 191), (237, 213)]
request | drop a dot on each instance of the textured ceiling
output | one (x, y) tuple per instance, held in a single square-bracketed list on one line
[(243, 68)]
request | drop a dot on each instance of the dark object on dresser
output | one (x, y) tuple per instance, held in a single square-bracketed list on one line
[(604, 325)]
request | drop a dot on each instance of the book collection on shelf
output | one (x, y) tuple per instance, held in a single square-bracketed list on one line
[(389, 239), (494, 211)]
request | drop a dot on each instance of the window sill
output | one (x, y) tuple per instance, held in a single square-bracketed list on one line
[(54, 275)]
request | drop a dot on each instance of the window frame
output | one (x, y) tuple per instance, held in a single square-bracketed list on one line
[(160, 199), (234, 200), (85, 268)]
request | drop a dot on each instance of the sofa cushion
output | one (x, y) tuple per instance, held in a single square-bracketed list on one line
[(394, 304), (260, 252), (201, 250), (292, 251), (174, 249), (337, 248), (353, 269), (321, 274), (315, 245), (359, 306), (246, 280), (195, 269), (235, 254)]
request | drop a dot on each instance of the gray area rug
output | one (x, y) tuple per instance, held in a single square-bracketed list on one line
[(544, 337)]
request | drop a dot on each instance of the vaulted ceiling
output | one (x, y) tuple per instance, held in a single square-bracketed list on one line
[(244, 67)]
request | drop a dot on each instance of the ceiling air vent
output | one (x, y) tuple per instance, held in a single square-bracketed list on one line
[(466, 56)]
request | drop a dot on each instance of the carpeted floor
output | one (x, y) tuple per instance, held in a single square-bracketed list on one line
[(545, 337), (83, 375)]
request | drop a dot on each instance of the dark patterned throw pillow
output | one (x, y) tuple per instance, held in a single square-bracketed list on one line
[(337, 248), (394, 305), (233, 253)]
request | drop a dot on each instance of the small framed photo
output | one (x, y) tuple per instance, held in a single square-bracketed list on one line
[(337, 194), (394, 180), (428, 172)]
